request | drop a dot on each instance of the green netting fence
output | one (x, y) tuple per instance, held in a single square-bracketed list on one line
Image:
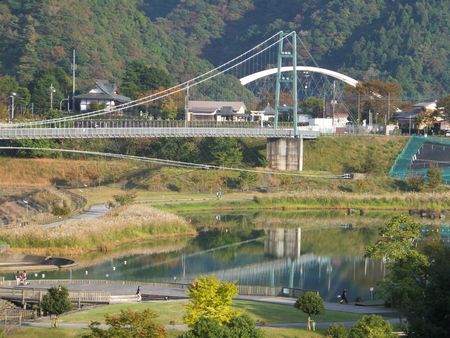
[(402, 165)]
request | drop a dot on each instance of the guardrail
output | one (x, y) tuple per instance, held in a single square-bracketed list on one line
[(35, 295)]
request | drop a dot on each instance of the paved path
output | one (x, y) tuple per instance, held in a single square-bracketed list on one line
[(97, 210)]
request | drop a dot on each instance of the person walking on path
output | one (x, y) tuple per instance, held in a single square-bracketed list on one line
[(344, 297), (138, 294)]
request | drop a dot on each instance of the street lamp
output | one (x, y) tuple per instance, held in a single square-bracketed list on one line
[(12, 96), (26, 203), (52, 90)]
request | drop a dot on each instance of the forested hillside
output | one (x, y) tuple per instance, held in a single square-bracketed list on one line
[(405, 41)]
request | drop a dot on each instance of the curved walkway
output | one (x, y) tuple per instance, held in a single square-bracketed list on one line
[(97, 210)]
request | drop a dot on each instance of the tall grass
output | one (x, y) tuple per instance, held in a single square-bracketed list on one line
[(118, 226)]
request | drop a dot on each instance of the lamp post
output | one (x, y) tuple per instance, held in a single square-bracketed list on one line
[(12, 96), (26, 203), (52, 90)]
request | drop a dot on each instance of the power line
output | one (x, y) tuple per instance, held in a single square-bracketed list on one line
[(176, 163)]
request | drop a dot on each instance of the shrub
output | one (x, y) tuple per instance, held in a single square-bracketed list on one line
[(416, 183), (337, 331), (434, 175), (125, 199), (60, 211), (372, 326)]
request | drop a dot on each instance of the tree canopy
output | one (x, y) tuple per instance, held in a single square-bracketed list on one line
[(210, 298), (56, 302)]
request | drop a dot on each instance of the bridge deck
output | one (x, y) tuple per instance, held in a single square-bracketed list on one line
[(138, 132)]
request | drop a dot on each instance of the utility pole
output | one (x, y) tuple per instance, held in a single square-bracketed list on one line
[(186, 106), (13, 95), (333, 103), (389, 108), (359, 108), (74, 68)]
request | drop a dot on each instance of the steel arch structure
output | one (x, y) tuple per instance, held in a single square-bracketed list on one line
[(339, 76)]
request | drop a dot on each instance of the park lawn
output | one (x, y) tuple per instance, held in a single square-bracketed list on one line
[(43, 332), (291, 333), (172, 312)]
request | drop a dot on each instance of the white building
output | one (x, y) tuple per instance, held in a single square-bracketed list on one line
[(104, 93), (216, 111)]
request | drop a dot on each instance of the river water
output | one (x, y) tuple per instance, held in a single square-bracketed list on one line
[(283, 249)]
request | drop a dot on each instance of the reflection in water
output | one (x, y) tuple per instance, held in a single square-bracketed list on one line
[(327, 260), (283, 242)]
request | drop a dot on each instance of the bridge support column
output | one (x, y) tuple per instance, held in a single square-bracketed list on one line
[(285, 153)]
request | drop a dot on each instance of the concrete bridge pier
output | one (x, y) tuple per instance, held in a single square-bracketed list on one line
[(285, 153)]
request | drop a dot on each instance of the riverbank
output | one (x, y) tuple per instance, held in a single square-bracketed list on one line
[(121, 225), (319, 200)]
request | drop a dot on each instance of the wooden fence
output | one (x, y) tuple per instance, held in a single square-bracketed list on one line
[(35, 295)]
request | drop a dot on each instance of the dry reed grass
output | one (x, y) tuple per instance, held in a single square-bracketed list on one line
[(119, 226), (37, 172)]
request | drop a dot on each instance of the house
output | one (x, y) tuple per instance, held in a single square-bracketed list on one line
[(216, 111), (340, 119), (266, 115), (104, 93), (409, 120)]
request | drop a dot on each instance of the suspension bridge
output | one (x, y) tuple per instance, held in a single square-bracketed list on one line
[(277, 60)]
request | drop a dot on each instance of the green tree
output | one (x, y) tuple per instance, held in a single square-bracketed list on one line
[(128, 324), (210, 298), (56, 302), (434, 175), (40, 88), (397, 239), (372, 326), (313, 106), (169, 109), (311, 304), (140, 78), (444, 102), (221, 151)]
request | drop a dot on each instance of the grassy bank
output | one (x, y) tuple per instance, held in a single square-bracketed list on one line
[(318, 200), (173, 312), (36, 332), (121, 225)]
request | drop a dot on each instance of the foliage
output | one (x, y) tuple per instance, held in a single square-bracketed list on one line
[(126, 198), (415, 183), (371, 326), (428, 314), (310, 303), (222, 151), (239, 326), (397, 239), (337, 331), (128, 324), (60, 210), (434, 175), (56, 302), (140, 78), (210, 298), (444, 103)]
